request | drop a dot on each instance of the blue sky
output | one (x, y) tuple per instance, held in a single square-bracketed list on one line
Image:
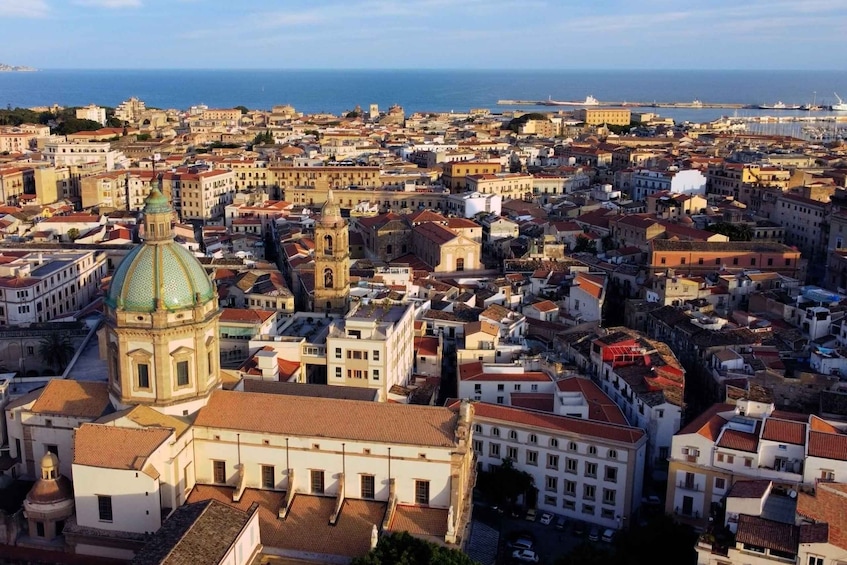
[(537, 34)]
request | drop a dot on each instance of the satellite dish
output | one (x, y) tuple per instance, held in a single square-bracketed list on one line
[(792, 493)]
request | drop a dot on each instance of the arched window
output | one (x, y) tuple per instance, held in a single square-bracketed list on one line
[(327, 278), (495, 432), (513, 435), (327, 245)]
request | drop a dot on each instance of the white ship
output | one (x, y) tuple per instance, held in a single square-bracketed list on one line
[(841, 106)]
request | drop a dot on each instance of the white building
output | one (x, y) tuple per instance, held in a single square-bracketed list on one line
[(469, 204), (74, 154), (646, 182), (584, 469), (372, 347), (93, 113), (43, 286)]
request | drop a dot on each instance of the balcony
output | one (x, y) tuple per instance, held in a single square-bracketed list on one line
[(690, 485)]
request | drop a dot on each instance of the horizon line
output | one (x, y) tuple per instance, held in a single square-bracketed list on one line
[(425, 69)]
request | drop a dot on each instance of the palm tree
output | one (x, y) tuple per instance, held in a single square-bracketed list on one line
[(56, 350)]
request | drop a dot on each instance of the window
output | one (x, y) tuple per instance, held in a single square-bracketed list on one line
[(501, 388), (720, 457), (552, 461), (554, 443), (219, 472), (477, 429), (572, 446), (376, 354), (588, 509), (730, 459), (367, 486), (720, 483), (748, 462), (268, 480), (375, 374), (512, 453), (815, 560), (39, 529), (533, 439), (827, 475), (570, 488), (591, 470), (517, 388), (317, 481), (568, 504), (104, 508), (143, 371), (338, 353), (613, 454), (49, 448), (787, 262), (421, 492), (570, 465), (588, 492), (182, 373), (532, 458), (477, 446), (495, 432), (338, 373), (611, 474), (663, 260), (494, 450), (609, 496), (592, 450), (477, 388), (551, 483), (513, 435)]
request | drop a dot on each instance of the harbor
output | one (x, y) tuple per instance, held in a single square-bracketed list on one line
[(591, 102)]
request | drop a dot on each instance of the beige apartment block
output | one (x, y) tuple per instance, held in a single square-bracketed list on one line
[(510, 186), (600, 116)]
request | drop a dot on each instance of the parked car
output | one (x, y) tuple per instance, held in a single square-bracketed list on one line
[(579, 528), (546, 518), (530, 515), (608, 535), (594, 534), (525, 556), (561, 521), (520, 543)]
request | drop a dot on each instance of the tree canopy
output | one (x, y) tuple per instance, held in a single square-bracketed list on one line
[(505, 483), (735, 232), (244, 109), (405, 549), (265, 137), (56, 350), (516, 123)]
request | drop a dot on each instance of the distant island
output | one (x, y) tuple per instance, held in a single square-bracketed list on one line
[(15, 68)]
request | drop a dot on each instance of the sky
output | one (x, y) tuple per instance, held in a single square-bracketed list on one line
[(433, 34)]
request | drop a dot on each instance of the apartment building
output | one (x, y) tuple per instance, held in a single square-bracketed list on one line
[(646, 183), (700, 257), (455, 174), (201, 195), (16, 139), (372, 347), (604, 116), (744, 181), (301, 183), (14, 182), (750, 441), (584, 469), (93, 113), (78, 154), (805, 223), (44, 286), (509, 186)]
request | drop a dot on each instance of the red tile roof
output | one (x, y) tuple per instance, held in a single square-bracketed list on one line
[(784, 431), (740, 441), (769, 534), (827, 445), (554, 422)]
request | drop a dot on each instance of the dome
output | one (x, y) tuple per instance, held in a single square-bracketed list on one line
[(50, 461), (330, 211), (166, 274)]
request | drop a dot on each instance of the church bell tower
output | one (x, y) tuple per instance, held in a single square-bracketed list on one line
[(332, 260)]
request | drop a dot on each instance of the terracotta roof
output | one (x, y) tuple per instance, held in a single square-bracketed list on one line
[(113, 447), (543, 402), (306, 528), (827, 505), (769, 534), (481, 326), (77, 399), (709, 423), (749, 489), (247, 316), (310, 389), (147, 417), (565, 424), (591, 284), (475, 372), (784, 431), (426, 346), (828, 446), (419, 521), (342, 419), (738, 440), (600, 407), (545, 306)]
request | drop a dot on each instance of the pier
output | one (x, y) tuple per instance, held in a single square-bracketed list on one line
[(696, 104)]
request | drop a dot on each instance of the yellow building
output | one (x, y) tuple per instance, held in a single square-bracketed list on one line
[(608, 116), (511, 186)]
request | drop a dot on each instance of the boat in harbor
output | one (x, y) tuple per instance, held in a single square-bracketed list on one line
[(589, 101), (780, 106), (841, 106)]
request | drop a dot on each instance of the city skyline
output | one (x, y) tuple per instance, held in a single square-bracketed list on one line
[(379, 34)]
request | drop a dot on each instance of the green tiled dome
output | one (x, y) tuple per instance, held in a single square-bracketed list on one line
[(151, 272), (157, 203)]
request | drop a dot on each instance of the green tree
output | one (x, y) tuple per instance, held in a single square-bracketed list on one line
[(56, 350), (265, 137), (583, 244), (73, 125), (505, 483), (661, 540), (244, 109), (405, 549), (589, 554), (735, 232), (73, 234), (516, 123), (353, 115)]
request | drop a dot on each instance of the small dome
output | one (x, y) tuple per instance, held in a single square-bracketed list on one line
[(50, 491), (153, 275), (331, 211), (50, 461), (157, 203)]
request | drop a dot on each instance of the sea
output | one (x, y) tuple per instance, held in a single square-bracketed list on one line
[(341, 90)]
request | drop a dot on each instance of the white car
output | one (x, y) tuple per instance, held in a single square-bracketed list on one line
[(525, 556), (608, 535), (530, 515), (546, 518)]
